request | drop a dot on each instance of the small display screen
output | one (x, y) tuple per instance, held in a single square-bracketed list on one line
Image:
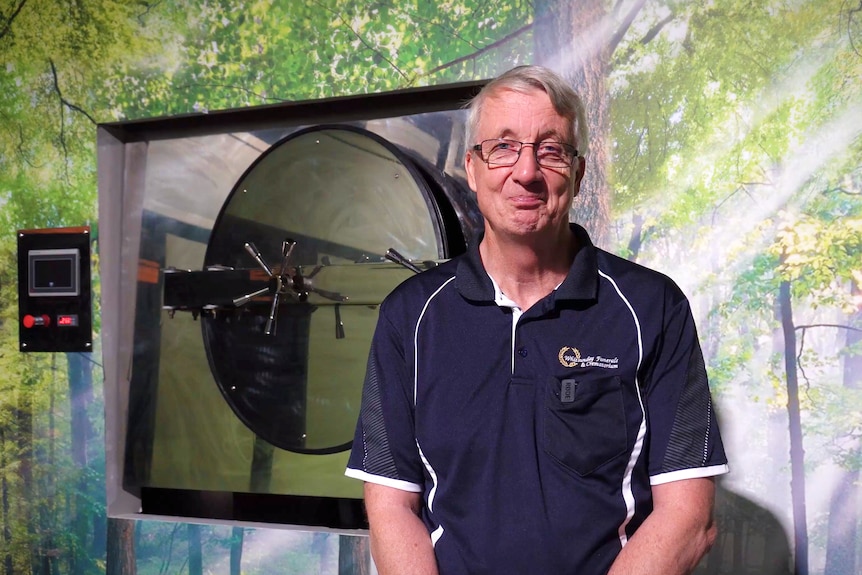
[(53, 272), (67, 320)]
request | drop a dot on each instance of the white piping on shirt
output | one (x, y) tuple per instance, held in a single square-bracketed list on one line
[(628, 496), (416, 339), (437, 533), (433, 474)]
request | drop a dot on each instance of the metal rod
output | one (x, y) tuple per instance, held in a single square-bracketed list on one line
[(255, 253), (273, 311), (248, 297), (394, 256)]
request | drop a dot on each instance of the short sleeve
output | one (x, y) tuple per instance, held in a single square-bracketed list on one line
[(384, 447), (685, 441)]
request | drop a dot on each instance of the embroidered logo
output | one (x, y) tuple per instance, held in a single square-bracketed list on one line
[(569, 356)]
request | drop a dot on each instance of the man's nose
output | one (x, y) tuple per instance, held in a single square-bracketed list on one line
[(526, 169)]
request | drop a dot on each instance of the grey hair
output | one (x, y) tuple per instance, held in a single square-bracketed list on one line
[(524, 79)]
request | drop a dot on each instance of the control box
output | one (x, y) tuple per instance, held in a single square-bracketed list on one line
[(54, 294)]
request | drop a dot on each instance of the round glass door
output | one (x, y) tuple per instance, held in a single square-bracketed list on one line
[(322, 207)]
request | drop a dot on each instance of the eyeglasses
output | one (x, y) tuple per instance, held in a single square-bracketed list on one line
[(505, 152)]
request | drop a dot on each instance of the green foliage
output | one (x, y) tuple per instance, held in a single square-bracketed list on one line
[(704, 111), (819, 257), (234, 53), (836, 419), (54, 57)]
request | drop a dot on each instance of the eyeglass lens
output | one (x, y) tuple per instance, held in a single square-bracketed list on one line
[(504, 152)]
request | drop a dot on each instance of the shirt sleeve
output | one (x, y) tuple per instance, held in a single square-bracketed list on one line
[(384, 448), (685, 441)]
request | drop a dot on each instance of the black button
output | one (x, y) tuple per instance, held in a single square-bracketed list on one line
[(522, 352)]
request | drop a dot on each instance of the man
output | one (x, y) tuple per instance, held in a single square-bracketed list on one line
[(537, 405)]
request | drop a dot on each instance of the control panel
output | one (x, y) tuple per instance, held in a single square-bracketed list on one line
[(54, 294)]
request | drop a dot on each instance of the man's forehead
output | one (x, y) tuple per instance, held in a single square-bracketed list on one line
[(505, 107), (507, 94)]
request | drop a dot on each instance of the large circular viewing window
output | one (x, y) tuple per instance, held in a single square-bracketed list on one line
[(344, 196)]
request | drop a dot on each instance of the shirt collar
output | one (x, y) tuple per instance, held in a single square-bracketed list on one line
[(581, 283)]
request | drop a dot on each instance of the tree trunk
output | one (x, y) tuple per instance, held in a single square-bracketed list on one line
[(80, 396), (636, 237), (8, 564), (24, 501), (236, 540), (778, 448), (121, 548), (797, 452), (48, 511), (195, 552), (842, 528), (100, 535), (565, 41), (354, 555)]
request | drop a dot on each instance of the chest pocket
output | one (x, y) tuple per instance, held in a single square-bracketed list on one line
[(585, 422)]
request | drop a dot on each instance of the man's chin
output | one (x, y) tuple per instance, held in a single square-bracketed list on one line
[(526, 227)]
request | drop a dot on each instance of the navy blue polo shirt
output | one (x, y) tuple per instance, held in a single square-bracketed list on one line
[(534, 437)]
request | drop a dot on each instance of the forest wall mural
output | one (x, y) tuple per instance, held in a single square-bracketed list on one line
[(726, 152)]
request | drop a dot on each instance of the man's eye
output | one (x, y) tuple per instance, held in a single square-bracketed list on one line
[(503, 146), (551, 149)]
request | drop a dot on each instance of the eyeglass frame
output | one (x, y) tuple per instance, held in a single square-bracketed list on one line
[(573, 151)]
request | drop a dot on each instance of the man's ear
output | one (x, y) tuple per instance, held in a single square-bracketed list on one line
[(579, 175), (469, 166)]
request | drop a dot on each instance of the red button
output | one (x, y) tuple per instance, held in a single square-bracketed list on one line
[(29, 320)]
